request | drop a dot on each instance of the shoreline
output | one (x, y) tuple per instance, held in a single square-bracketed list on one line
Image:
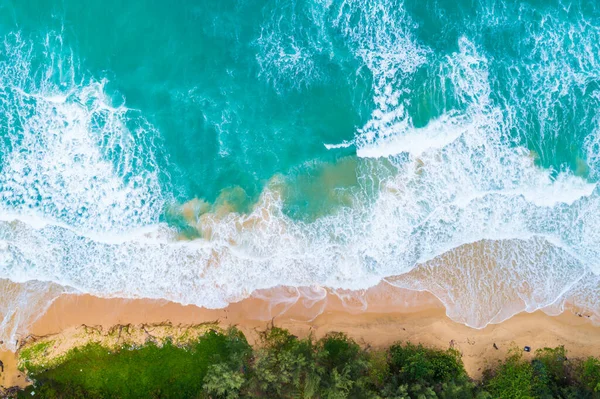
[(415, 317)]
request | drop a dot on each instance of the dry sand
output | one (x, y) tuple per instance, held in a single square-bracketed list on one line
[(410, 316)]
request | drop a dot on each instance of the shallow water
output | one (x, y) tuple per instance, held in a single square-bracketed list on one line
[(197, 151)]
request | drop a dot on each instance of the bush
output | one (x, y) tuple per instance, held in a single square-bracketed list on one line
[(513, 378), (343, 367), (223, 366), (168, 371), (550, 372), (284, 366), (415, 371), (588, 375), (223, 382), (549, 375)]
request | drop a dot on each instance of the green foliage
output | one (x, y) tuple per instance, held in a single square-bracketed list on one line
[(378, 368), (284, 366), (550, 374), (343, 367), (287, 367), (223, 382), (416, 363), (589, 374), (223, 366), (513, 378), (416, 371), (147, 372), (30, 353)]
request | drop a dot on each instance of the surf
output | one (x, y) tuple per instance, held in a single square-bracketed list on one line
[(353, 147)]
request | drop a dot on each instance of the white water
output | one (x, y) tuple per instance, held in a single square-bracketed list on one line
[(466, 214)]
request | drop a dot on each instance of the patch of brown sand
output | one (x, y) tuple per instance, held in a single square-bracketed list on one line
[(380, 325), (11, 376)]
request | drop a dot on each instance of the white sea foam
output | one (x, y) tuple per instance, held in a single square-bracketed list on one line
[(344, 144), (469, 182), (289, 44), (68, 154), (21, 304), (437, 134)]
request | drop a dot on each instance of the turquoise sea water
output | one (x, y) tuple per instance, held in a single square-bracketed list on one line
[(198, 150)]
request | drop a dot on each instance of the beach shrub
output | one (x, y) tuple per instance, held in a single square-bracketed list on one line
[(377, 369), (343, 367), (416, 363), (30, 353), (221, 381), (589, 374), (513, 378), (284, 366), (550, 374), (221, 365), (151, 371), (417, 371), (287, 367)]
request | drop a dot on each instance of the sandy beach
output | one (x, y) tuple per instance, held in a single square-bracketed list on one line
[(416, 317)]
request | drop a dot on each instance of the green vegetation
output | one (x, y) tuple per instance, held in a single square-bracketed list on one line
[(222, 365), (33, 352), (168, 371), (551, 374)]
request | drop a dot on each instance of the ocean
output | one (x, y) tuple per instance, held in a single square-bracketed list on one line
[(197, 151)]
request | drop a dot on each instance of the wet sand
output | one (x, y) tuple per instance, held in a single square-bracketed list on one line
[(393, 315), (11, 376)]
